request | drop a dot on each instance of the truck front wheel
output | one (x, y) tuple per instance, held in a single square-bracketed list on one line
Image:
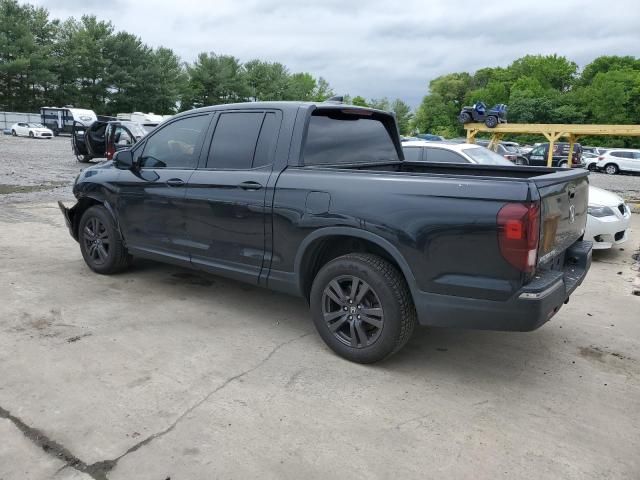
[(362, 307)]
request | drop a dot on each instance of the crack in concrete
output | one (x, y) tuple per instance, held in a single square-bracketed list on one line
[(53, 448), (99, 470)]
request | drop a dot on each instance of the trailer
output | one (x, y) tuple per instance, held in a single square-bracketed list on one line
[(61, 119)]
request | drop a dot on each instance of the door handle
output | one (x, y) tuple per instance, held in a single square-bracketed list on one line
[(175, 182), (250, 186)]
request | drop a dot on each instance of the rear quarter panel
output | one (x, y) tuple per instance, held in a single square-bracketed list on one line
[(444, 227)]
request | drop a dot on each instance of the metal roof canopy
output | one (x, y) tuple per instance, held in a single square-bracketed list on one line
[(552, 132)]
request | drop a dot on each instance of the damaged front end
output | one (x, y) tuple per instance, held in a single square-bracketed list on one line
[(70, 218)]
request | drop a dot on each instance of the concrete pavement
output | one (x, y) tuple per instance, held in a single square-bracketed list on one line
[(162, 373)]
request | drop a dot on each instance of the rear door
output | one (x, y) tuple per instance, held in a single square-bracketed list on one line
[(226, 213), (564, 197)]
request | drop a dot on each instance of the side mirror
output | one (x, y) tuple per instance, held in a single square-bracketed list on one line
[(123, 159)]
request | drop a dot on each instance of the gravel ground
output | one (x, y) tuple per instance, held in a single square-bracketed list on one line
[(36, 169), (43, 170)]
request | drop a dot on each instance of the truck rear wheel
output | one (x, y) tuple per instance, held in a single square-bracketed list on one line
[(362, 307)]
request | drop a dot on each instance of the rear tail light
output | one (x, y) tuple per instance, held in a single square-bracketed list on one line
[(519, 234), (510, 157), (601, 157)]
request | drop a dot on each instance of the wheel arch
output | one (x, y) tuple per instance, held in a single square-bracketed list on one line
[(86, 202), (325, 244)]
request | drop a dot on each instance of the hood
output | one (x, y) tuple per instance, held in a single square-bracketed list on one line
[(598, 196)]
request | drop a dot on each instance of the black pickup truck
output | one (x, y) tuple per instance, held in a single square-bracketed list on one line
[(316, 200)]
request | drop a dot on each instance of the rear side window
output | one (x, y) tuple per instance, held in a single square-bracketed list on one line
[(412, 154), (266, 147), (234, 141), (622, 154), (443, 156), (345, 137)]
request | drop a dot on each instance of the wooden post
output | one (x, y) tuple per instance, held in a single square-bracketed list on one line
[(572, 140), (495, 140), (471, 135), (552, 137)]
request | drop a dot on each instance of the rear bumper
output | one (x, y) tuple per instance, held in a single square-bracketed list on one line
[(532, 306)]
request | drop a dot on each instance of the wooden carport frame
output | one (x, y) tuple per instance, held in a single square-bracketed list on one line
[(551, 131)]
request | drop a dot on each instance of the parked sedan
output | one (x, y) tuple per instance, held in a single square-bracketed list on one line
[(607, 220), (444, 152), (33, 130)]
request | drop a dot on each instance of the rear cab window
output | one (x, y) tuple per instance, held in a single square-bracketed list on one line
[(349, 136)]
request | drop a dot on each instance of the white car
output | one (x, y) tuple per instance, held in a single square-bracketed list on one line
[(619, 160), (590, 161), (33, 130), (608, 219), (444, 152)]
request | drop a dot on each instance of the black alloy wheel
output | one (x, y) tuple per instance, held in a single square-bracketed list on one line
[(353, 311), (101, 245), (96, 241), (362, 307)]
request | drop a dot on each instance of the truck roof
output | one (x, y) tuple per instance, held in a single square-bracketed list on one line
[(283, 105)]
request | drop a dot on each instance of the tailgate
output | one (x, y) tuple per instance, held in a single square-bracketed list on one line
[(564, 197)]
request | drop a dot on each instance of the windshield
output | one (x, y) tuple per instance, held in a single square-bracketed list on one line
[(36, 125), (484, 156), (135, 128), (511, 148)]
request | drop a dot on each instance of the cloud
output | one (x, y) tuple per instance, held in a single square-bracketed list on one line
[(375, 48)]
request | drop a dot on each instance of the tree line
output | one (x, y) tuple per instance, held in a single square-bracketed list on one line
[(540, 89), (87, 63)]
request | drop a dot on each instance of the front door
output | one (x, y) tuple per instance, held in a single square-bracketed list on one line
[(538, 156), (151, 197), (226, 210)]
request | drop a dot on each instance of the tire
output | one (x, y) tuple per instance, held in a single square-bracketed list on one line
[(100, 242), (464, 117), (31, 135), (563, 164), (13, 133), (56, 132), (611, 169), (491, 121), (83, 158), (384, 296), (592, 167), (522, 161)]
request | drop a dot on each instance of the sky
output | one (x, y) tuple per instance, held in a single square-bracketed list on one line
[(374, 48)]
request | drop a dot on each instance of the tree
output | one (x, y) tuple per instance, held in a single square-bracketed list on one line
[(215, 79), (322, 91), (360, 101), (301, 86), (266, 81), (403, 115)]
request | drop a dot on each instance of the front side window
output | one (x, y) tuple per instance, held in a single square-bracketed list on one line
[(176, 145), (412, 154), (441, 155), (484, 156), (348, 136), (121, 137)]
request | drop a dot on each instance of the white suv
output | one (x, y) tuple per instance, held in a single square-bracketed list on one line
[(619, 160)]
